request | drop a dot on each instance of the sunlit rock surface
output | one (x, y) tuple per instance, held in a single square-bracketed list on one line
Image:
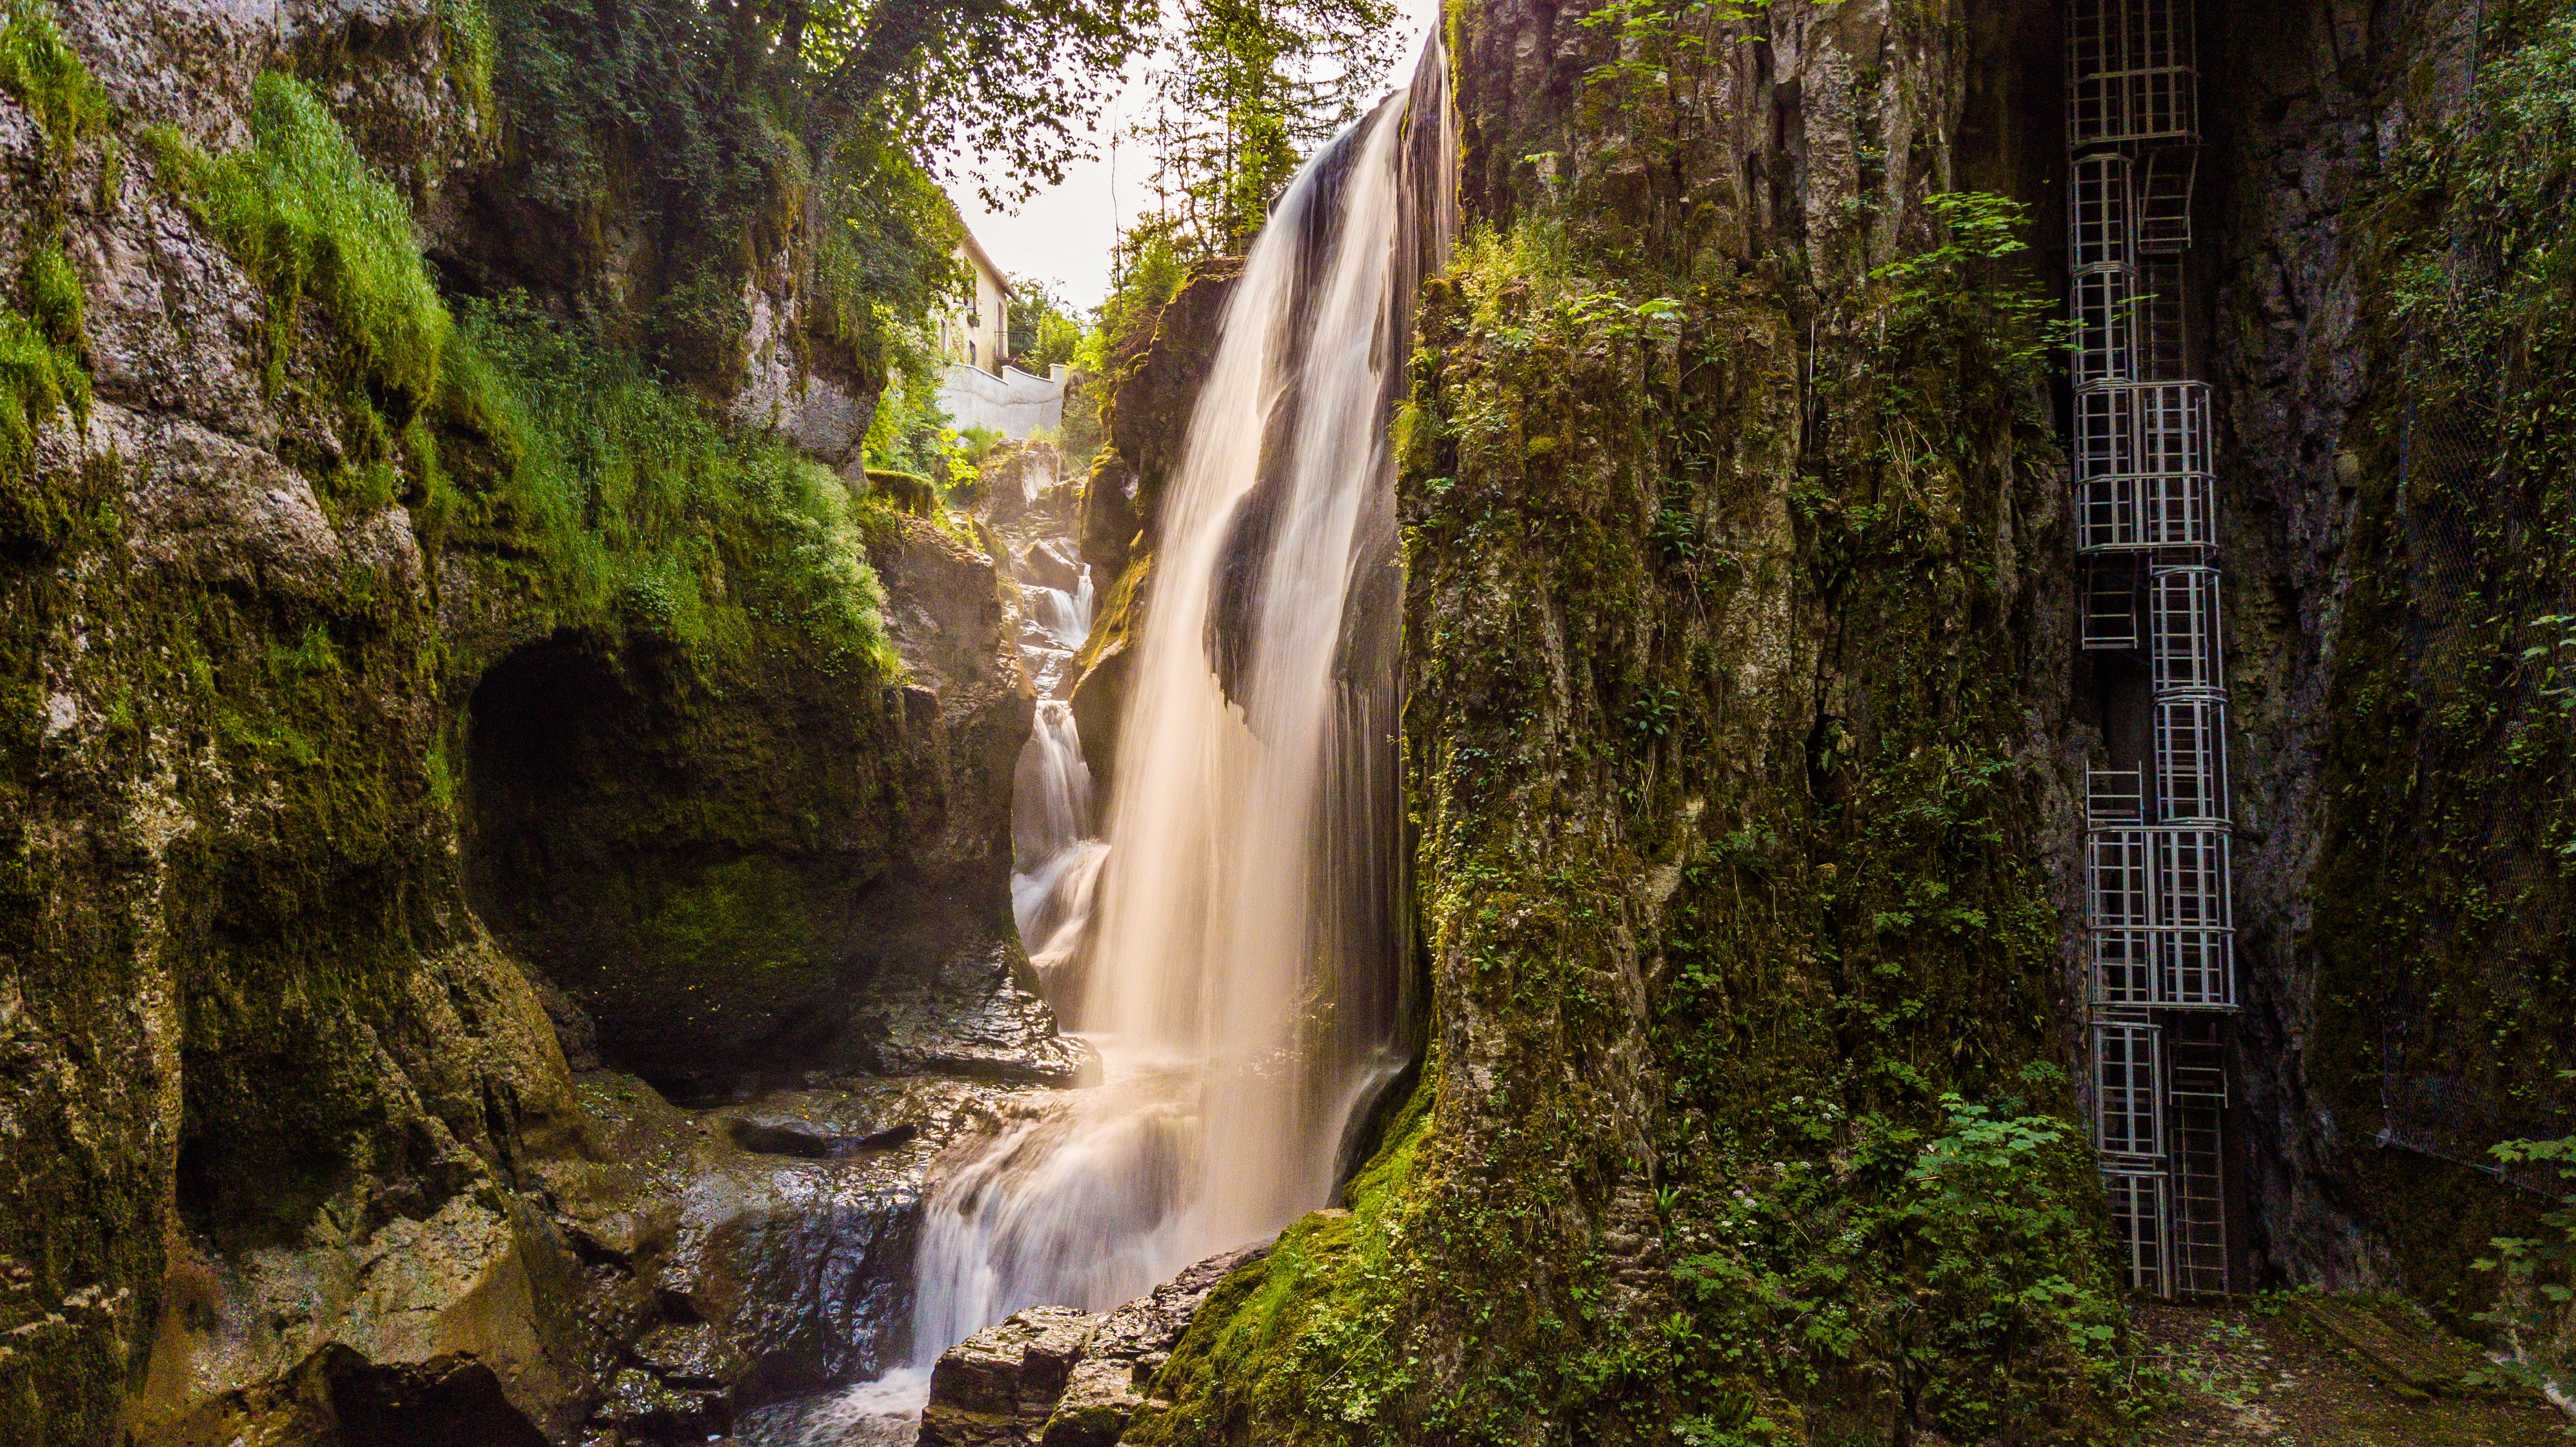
[(1058, 1377)]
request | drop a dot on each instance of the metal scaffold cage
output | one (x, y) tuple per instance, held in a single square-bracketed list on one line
[(2158, 892), (2130, 74)]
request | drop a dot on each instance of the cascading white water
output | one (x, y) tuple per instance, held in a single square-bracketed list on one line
[(1241, 974), (1051, 792), (1056, 865), (1055, 861)]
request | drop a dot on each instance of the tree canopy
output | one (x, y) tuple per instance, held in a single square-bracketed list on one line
[(1248, 87), (1009, 81)]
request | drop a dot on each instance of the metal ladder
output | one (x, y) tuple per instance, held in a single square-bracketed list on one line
[(2160, 912)]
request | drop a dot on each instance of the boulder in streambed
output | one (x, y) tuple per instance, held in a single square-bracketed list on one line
[(1058, 1377)]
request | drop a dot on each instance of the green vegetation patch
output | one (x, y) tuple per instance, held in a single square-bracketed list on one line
[(310, 220), (39, 71), (644, 519)]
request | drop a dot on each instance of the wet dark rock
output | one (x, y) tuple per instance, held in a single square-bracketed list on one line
[(642, 1404), (1058, 1377), (760, 1273), (795, 1138), (979, 1019)]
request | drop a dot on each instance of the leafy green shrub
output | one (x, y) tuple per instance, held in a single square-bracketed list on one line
[(2535, 1310), (910, 431), (699, 329)]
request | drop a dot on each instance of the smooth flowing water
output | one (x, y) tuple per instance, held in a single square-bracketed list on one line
[(1232, 942)]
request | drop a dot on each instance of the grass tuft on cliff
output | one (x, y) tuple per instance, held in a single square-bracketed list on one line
[(41, 379), (39, 71), (309, 220)]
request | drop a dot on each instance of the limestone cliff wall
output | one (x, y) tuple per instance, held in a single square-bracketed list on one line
[(342, 675)]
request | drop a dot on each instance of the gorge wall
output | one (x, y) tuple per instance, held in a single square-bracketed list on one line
[(2403, 893), (432, 747), (1745, 725), (407, 687)]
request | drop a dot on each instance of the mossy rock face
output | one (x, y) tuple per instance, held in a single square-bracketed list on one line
[(728, 872), (663, 853), (1734, 537), (1104, 664), (2394, 362), (1152, 387), (252, 1028), (1149, 395)]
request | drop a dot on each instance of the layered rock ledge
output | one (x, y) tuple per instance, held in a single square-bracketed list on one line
[(1058, 1377)]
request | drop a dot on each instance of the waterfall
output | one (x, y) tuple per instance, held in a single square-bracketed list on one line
[(1051, 791), (1235, 948)]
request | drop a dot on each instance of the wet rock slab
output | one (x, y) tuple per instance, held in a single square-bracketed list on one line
[(749, 1252), (1058, 1377), (977, 1019)]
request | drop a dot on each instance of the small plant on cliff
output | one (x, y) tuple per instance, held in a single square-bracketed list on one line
[(465, 32), (310, 220), (43, 345), (39, 71)]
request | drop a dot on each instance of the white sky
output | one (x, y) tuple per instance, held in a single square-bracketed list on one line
[(1063, 233)]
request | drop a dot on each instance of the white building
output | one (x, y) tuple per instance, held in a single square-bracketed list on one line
[(980, 334), (980, 388), (1014, 404)]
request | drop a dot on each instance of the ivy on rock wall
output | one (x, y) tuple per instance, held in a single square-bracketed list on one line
[(1733, 549)]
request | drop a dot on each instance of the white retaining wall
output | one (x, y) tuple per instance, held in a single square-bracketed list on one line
[(1014, 404)]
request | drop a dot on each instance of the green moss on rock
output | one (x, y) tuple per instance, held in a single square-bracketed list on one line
[(2445, 888)]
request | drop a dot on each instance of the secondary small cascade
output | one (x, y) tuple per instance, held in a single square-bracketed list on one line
[(1055, 857), (1055, 863), (1234, 942)]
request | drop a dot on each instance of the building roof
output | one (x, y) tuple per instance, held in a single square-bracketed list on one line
[(975, 249)]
